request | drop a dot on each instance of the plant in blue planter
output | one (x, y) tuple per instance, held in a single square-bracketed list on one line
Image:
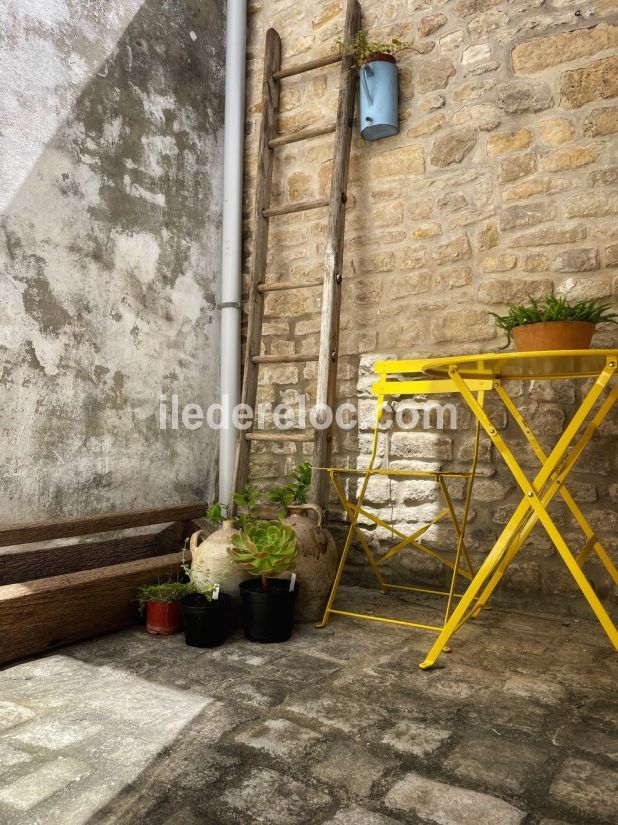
[(377, 71)]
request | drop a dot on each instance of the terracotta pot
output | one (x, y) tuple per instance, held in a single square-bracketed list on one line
[(552, 335), (163, 618), (387, 58), (316, 562)]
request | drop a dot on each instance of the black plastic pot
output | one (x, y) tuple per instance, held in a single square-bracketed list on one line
[(267, 616), (206, 623)]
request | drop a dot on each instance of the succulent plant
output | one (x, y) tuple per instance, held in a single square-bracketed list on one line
[(265, 549)]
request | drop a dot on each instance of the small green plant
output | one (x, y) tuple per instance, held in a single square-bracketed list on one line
[(551, 308), (360, 48), (214, 514), (199, 581), (302, 478), (295, 491), (283, 496), (265, 549), (167, 593), (247, 501)]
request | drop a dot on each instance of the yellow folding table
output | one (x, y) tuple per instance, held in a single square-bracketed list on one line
[(599, 366), (472, 376)]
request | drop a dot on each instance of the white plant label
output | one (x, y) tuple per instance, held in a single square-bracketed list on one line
[(215, 593), (292, 582)]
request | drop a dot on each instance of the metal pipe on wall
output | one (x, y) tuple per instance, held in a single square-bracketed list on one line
[(231, 255)]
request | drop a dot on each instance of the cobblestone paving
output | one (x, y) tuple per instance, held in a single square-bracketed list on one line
[(519, 726)]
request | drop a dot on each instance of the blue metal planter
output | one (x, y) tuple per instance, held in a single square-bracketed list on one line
[(379, 98)]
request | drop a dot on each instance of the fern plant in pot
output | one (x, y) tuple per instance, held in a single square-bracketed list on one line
[(553, 323), (265, 550)]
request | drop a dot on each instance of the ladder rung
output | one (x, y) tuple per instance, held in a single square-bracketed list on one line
[(304, 134), (280, 435), (283, 359), (279, 287), (303, 206), (300, 68)]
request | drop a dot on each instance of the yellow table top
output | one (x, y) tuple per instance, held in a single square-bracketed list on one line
[(523, 366)]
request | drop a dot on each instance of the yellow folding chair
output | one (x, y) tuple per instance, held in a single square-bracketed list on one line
[(398, 378)]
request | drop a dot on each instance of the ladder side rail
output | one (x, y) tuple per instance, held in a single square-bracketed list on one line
[(331, 294), (270, 106)]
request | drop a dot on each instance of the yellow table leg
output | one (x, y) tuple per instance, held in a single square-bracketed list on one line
[(557, 486), (508, 535), (458, 615), (592, 542)]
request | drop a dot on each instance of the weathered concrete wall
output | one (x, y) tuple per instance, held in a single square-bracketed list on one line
[(110, 189), (500, 185)]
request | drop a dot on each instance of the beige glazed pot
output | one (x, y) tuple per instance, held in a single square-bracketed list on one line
[(210, 560), (316, 562), (552, 335)]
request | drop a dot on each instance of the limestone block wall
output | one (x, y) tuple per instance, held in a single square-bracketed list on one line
[(111, 130), (501, 184)]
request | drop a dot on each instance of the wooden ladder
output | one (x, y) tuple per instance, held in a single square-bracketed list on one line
[(333, 259)]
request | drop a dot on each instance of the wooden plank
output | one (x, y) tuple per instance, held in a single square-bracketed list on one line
[(283, 359), (86, 525), (40, 615), (279, 286), (291, 208), (280, 435), (270, 104), (333, 260), (29, 564), (303, 134), (300, 68)]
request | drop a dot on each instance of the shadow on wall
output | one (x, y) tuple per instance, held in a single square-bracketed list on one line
[(109, 250)]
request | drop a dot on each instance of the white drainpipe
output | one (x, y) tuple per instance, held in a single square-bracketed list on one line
[(235, 58)]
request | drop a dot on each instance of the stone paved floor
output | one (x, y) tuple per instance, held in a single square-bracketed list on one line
[(339, 726)]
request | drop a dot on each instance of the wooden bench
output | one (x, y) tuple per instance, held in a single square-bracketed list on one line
[(54, 593)]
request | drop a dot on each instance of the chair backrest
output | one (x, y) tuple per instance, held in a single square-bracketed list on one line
[(407, 377)]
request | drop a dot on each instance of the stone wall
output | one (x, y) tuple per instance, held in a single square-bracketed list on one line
[(500, 185), (110, 178)]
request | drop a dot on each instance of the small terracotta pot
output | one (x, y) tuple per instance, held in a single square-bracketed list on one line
[(552, 335), (386, 58), (163, 618)]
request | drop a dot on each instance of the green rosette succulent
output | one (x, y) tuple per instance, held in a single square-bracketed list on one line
[(265, 549)]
